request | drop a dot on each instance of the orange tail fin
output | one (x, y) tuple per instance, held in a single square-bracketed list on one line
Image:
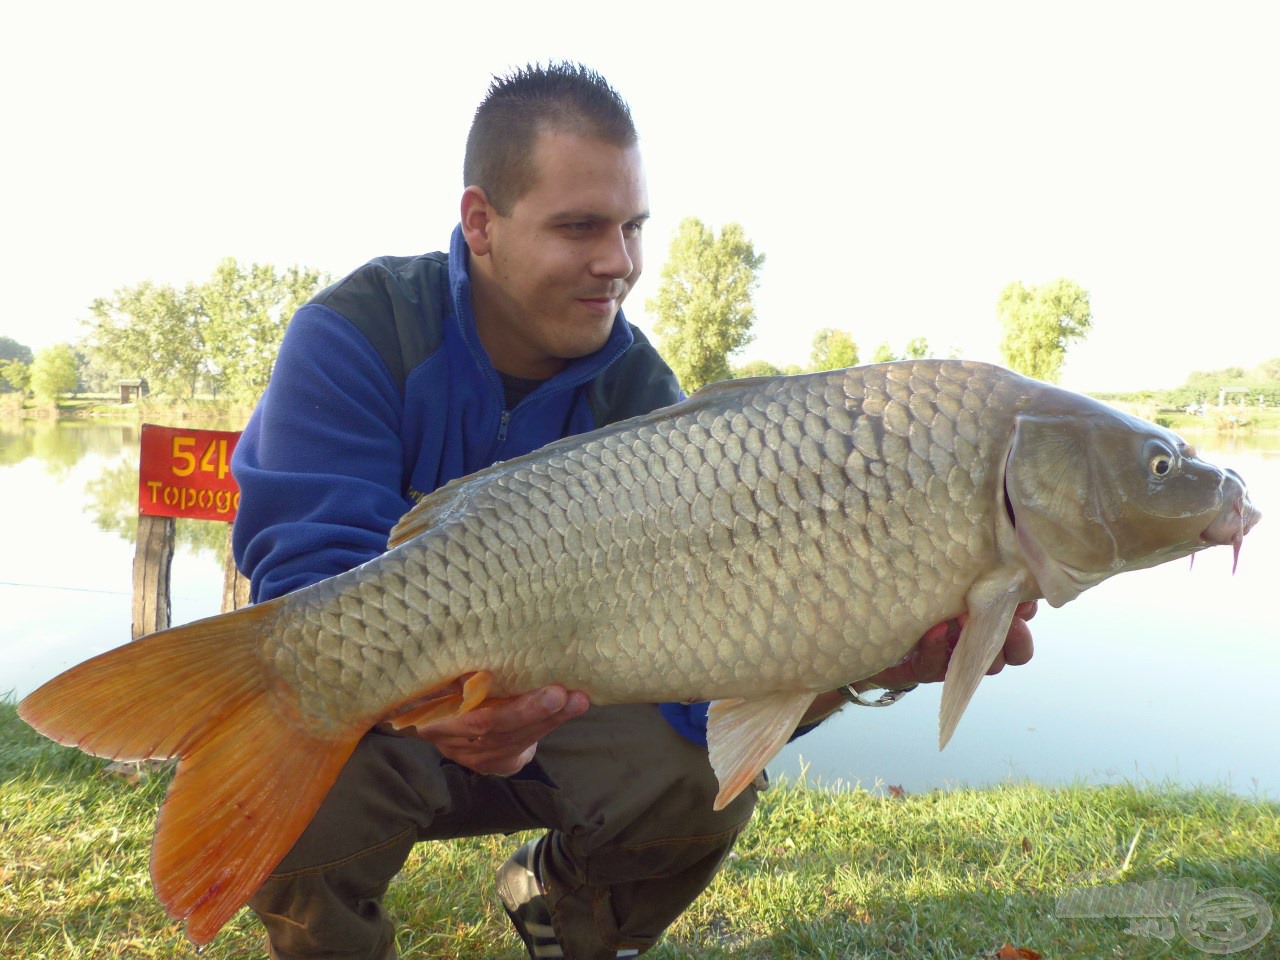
[(250, 777)]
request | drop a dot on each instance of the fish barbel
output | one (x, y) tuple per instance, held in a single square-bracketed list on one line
[(756, 545)]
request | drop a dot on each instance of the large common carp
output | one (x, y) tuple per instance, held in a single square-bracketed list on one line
[(759, 543)]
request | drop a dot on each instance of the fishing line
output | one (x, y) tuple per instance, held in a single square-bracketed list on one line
[(52, 586), (111, 593)]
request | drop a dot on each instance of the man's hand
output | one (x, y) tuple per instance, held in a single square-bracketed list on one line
[(927, 663), (503, 738)]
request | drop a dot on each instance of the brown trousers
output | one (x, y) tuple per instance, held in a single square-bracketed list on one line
[(627, 800)]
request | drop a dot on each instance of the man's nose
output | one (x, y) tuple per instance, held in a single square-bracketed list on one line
[(612, 257)]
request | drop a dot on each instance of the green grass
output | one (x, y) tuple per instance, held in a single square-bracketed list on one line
[(819, 874)]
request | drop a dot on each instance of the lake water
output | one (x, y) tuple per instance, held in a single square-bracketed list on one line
[(1165, 675)]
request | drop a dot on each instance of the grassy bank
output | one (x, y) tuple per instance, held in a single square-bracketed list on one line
[(818, 874)]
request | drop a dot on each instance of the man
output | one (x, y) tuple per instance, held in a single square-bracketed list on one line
[(409, 373)]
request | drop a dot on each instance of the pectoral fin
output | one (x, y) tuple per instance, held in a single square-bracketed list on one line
[(992, 602), (744, 735)]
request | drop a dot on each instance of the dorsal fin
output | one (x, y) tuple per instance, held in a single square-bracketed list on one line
[(717, 387), (434, 509)]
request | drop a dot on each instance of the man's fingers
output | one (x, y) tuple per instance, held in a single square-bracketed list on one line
[(1018, 646), (929, 663), (517, 715), (539, 710), (503, 737)]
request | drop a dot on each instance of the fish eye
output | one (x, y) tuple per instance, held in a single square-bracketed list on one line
[(1161, 460)]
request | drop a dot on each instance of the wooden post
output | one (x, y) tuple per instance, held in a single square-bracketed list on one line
[(151, 565), (235, 585)]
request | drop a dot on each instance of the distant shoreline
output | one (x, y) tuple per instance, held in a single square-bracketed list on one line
[(208, 411)]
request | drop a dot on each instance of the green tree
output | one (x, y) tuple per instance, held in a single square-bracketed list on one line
[(704, 305), (756, 368), (917, 349), (884, 354), (11, 349), (100, 376), (832, 350), (14, 375), (246, 310), (54, 372), (1268, 370), (150, 331), (225, 332), (1039, 324)]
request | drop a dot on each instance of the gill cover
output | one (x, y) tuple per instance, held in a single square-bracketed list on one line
[(1057, 504)]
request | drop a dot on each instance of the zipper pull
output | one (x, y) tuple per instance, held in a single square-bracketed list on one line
[(502, 425)]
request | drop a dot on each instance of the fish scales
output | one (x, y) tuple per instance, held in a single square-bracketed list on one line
[(771, 533)]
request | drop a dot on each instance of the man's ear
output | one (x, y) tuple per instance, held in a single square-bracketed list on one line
[(478, 215)]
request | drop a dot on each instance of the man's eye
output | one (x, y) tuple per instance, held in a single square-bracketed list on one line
[(633, 228), (580, 227)]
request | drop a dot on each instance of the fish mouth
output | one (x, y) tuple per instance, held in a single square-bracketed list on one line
[(1234, 522)]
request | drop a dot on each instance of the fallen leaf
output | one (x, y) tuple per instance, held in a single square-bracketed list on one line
[(1010, 952), (1026, 845), (896, 792)]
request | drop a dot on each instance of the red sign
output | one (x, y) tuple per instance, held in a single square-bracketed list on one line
[(187, 473)]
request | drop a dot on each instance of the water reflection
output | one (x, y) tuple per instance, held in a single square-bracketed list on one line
[(60, 445), (70, 495), (113, 503), (111, 496)]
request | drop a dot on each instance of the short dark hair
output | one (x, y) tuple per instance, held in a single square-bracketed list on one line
[(561, 96)]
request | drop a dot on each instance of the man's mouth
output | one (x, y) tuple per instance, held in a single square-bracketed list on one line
[(602, 304)]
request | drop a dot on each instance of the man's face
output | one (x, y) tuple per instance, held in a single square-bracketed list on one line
[(553, 273)]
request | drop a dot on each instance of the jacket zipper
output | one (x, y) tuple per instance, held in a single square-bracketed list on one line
[(505, 420)]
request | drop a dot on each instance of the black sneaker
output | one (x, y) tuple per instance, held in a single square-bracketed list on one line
[(520, 891)]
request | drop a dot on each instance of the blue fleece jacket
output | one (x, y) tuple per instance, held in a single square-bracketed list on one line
[(382, 393)]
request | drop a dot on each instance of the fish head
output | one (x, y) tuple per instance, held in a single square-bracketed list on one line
[(1091, 492)]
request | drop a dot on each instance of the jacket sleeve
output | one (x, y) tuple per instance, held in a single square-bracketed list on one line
[(320, 463)]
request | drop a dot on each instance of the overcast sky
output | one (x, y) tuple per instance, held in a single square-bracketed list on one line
[(897, 163)]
